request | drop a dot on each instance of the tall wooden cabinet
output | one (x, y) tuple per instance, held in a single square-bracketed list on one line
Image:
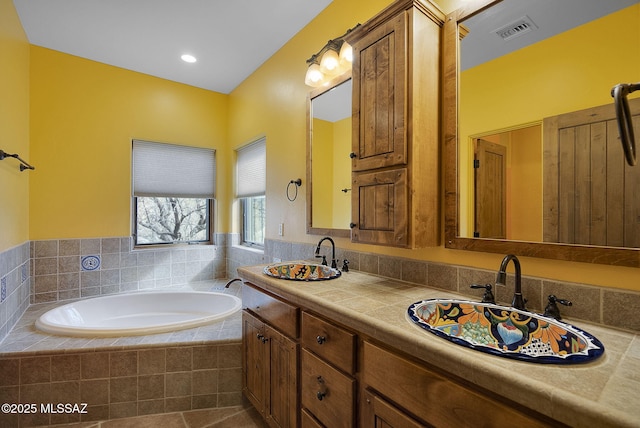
[(396, 115)]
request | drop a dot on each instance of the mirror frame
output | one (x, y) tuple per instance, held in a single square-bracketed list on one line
[(345, 233), (569, 252)]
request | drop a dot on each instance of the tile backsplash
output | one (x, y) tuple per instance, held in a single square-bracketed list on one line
[(612, 307)]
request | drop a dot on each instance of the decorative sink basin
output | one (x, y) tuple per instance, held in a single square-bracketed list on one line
[(301, 271), (505, 331)]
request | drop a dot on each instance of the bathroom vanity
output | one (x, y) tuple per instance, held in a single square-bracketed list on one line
[(361, 362)]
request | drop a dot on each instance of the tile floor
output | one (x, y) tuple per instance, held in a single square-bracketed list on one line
[(229, 417)]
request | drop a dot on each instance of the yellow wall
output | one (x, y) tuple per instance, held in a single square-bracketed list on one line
[(331, 172), (14, 128), (526, 184), (341, 173), (83, 117), (322, 173)]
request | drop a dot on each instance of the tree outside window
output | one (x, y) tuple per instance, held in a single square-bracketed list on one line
[(171, 220)]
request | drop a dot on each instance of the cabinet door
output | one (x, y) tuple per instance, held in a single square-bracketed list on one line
[(282, 380), (379, 80), (254, 356), (379, 207), (378, 413)]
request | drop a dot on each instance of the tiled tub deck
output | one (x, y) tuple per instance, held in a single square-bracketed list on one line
[(120, 376)]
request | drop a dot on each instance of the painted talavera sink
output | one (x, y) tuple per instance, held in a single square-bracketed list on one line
[(301, 271), (505, 331)]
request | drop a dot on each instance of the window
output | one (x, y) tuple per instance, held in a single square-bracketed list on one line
[(251, 168), (173, 193)]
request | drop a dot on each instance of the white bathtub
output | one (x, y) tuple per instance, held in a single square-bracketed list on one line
[(138, 313)]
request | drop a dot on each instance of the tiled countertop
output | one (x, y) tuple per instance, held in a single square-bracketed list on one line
[(603, 393)]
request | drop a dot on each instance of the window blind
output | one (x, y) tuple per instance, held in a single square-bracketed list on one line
[(171, 170), (251, 169)]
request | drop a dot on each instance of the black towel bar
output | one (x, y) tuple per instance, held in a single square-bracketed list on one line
[(23, 164)]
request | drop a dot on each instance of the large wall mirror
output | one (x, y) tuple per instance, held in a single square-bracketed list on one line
[(328, 163), (533, 161)]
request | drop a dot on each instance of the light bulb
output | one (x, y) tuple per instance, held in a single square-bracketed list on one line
[(314, 76), (329, 62), (188, 58), (346, 53)]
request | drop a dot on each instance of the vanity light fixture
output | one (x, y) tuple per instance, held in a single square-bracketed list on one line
[(188, 58), (332, 60)]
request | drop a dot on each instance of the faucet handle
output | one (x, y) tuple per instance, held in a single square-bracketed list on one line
[(345, 265), (488, 296), (552, 309), (324, 259)]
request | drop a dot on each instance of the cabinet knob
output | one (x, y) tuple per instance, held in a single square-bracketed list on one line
[(320, 395), (321, 340), (352, 155), (259, 336), (352, 225)]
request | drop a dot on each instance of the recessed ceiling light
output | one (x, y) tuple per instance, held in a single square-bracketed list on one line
[(188, 58)]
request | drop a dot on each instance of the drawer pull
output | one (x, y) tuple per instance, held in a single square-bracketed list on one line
[(323, 389), (321, 340)]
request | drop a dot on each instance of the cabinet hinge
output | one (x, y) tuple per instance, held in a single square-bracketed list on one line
[(476, 163), (476, 234)]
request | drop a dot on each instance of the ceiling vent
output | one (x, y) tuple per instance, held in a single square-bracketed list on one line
[(517, 28)]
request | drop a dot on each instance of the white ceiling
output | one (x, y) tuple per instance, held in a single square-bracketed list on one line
[(230, 38), (551, 17)]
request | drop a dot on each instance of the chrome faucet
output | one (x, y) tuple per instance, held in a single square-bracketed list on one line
[(334, 263), (501, 279)]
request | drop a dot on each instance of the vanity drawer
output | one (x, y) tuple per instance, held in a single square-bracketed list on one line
[(333, 343), (327, 393), (271, 309)]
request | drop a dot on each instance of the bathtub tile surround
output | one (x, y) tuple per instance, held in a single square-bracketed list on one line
[(73, 268), (15, 286)]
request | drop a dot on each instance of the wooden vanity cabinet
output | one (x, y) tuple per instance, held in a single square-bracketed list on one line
[(395, 139), (301, 368), (270, 357)]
